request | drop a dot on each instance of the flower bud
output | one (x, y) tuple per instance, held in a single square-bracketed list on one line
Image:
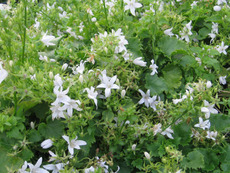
[(81, 78), (32, 124), (123, 92), (47, 143), (134, 147), (11, 63), (51, 75), (208, 84), (216, 8), (147, 155), (64, 66), (94, 19), (31, 69)]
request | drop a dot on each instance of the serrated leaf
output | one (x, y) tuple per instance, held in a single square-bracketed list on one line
[(34, 136), (210, 158), (15, 133), (172, 75), (138, 163), (182, 133), (220, 122), (26, 154), (40, 110), (51, 129), (187, 61), (168, 45), (155, 84), (193, 160), (211, 62), (203, 33), (134, 46)]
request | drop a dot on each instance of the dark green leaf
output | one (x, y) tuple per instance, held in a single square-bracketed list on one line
[(193, 160), (172, 76), (155, 84)]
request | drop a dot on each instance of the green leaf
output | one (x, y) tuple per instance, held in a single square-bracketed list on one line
[(172, 75), (134, 46), (211, 62), (26, 154), (182, 132), (34, 136), (187, 61), (138, 163), (193, 160), (220, 122), (108, 115), (51, 129), (40, 110), (210, 158), (203, 33), (168, 45), (16, 133), (155, 84)]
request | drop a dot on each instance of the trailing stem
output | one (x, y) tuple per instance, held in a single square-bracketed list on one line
[(24, 34)]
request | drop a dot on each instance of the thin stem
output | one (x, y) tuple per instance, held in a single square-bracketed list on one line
[(122, 8), (105, 11), (24, 35)]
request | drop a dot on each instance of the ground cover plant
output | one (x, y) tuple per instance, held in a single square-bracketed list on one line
[(115, 86)]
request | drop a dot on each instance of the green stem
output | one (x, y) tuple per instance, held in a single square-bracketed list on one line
[(105, 11), (15, 103), (122, 8), (24, 35)]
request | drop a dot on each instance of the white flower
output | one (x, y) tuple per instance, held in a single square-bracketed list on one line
[(213, 36), (47, 40), (81, 26), (153, 102), (222, 48), (208, 109), (220, 2), (94, 19), (36, 168), (186, 32), (79, 69), (134, 147), (72, 104), (108, 84), (147, 155), (74, 143), (216, 8), (214, 27), (55, 168), (61, 95), (154, 67), (203, 124), (23, 169), (194, 4), (168, 32), (138, 61), (53, 156), (57, 81), (89, 11), (57, 111), (37, 24), (132, 5), (47, 143), (3, 73), (157, 129), (209, 84), (126, 56), (168, 132), (145, 97), (92, 94), (63, 15), (90, 170), (211, 135), (43, 58), (64, 66), (222, 80), (33, 77), (69, 30)]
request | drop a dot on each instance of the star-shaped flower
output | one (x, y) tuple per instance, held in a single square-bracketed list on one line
[(203, 124), (145, 97), (132, 5), (36, 167), (74, 143), (92, 94), (208, 109), (47, 40), (108, 84), (3, 73), (222, 48)]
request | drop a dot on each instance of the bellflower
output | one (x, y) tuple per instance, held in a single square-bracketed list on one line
[(208, 109), (145, 97), (108, 84), (92, 94), (47, 40), (61, 96), (222, 48), (47, 143), (57, 111), (203, 124), (168, 32), (23, 168), (211, 135), (154, 67), (222, 80), (72, 104), (74, 143), (55, 168), (36, 167), (132, 5), (186, 32), (138, 61), (168, 132)]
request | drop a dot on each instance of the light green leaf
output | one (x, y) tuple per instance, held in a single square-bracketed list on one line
[(193, 160), (172, 76), (168, 45)]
